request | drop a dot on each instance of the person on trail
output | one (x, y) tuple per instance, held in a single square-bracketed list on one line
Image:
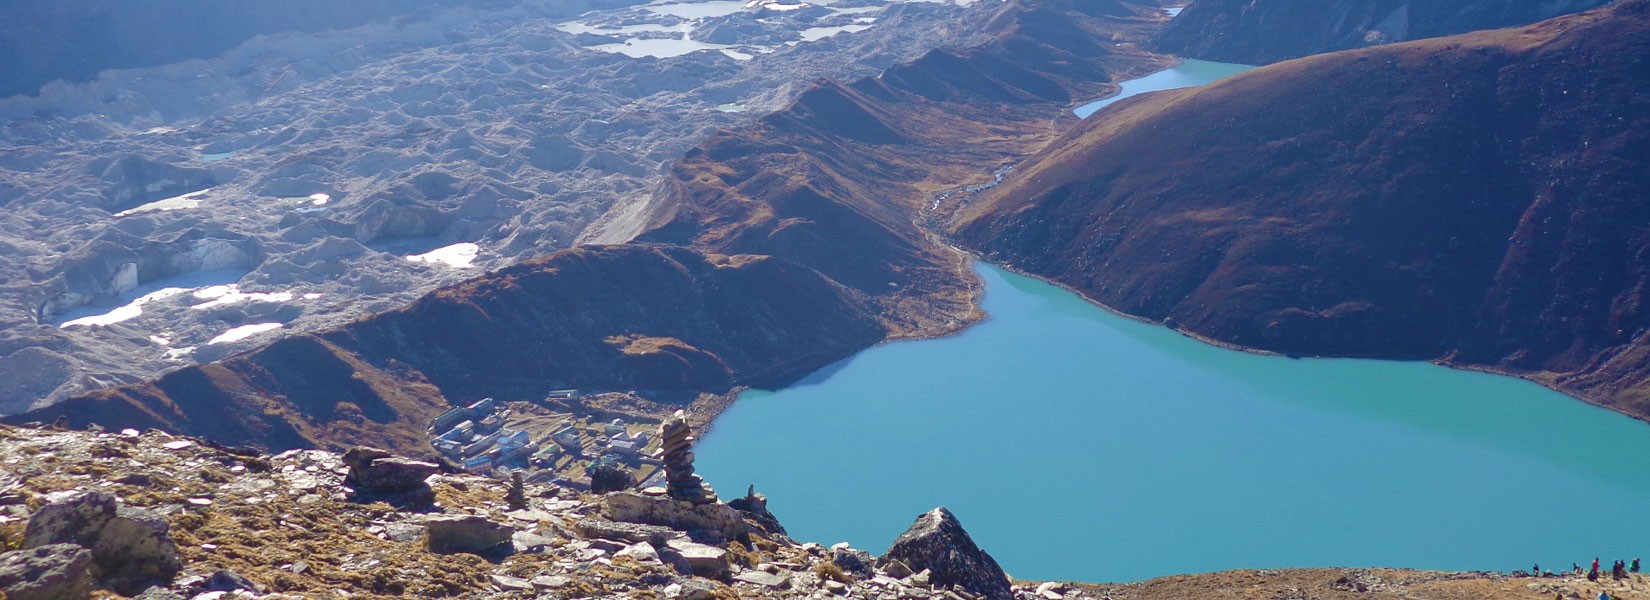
[(1635, 566)]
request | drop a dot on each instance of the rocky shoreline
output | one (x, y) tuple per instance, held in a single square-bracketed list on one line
[(225, 523)]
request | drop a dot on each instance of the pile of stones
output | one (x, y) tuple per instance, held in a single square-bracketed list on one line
[(680, 481)]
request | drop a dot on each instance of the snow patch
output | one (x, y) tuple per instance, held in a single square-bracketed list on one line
[(245, 331), (457, 255)]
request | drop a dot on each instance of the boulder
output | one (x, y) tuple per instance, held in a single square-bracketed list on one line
[(130, 547), (378, 475), (858, 562), (135, 550), (395, 475), (938, 543), (47, 572), (73, 517), (467, 534), (375, 470)]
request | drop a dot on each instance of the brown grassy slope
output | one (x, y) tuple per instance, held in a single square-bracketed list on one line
[(830, 191), (1478, 198), (1255, 32), (841, 179), (553, 323)]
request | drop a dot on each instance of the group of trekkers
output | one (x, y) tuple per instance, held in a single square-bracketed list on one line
[(1618, 571)]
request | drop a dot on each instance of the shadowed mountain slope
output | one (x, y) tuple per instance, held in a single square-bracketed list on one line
[(1476, 199), (667, 320), (1258, 32)]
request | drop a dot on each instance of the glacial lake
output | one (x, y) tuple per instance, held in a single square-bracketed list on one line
[(1076, 444), (1191, 73)]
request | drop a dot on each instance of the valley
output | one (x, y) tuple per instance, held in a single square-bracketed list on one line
[(711, 200)]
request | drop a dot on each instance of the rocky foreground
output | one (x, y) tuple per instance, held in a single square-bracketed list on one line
[(152, 515)]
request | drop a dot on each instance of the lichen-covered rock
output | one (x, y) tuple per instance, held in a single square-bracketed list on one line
[(938, 542), (50, 572), (468, 534), (130, 547), (134, 550), (72, 517)]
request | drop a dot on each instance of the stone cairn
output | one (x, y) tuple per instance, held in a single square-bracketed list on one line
[(680, 482)]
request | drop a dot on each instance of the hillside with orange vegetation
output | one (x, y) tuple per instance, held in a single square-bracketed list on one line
[(1256, 32), (1474, 199)]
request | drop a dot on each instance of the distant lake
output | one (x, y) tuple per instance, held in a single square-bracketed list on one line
[(1191, 73), (1077, 444)]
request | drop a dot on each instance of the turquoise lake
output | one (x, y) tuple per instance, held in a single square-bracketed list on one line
[(1080, 445), (1191, 73)]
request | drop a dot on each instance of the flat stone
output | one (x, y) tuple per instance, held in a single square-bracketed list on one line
[(641, 551), (550, 582), (764, 578), (530, 515), (508, 583), (527, 541), (704, 560)]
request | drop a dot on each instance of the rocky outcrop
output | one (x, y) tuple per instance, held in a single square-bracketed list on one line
[(938, 543), (714, 520), (50, 572), (1266, 31), (130, 547), (379, 475), (1469, 199)]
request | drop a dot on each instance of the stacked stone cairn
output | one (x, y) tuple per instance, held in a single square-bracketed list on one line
[(680, 481)]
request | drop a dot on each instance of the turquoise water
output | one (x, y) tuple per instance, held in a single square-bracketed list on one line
[(1077, 444), (1191, 73)]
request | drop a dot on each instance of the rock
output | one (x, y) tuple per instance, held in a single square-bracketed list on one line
[(47, 572), (755, 506), (716, 520), (690, 590), (136, 549), (764, 578), (858, 562), (130, 546), (468, 534), (550, 582), (225, 580), (937, 542), (403, 532), (629, 532), (704, 560), (836, 587), (375, 470), (896, 569), (508, 583), (74, 517), (527, 541), (641, 551), (158, 593)]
